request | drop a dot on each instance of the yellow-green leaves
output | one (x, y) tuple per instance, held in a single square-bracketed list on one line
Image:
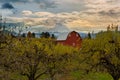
[(102, 53)]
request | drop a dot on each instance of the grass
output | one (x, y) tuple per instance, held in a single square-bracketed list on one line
[(76, 75), (91, 76)]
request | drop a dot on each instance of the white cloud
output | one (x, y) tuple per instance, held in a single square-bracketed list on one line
[(43, 14), (102, 5), (76, 14), (27, 13), (74, 20)]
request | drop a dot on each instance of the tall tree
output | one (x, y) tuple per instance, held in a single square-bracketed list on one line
[(27, 59), (89, 35), (53, 36), (31, 55), (29, 34), (103, 53), (33, 35), (58, 59), (45, 35)]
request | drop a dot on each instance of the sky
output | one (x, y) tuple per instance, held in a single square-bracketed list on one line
[(80, 15)]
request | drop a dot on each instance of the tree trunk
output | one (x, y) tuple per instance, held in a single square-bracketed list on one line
[(52, 77), (115, 77), (31, 78)]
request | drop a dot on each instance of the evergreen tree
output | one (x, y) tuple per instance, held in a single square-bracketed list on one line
[(29, 34), (23, 35), (89, 35), (53, 36), (33, 35)]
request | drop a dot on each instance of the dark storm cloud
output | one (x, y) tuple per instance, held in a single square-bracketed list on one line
[(43, 3), (7, 6), (47, 3), (110, 12), (14, 0)]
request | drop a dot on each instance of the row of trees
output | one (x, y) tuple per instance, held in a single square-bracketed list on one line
[(42, 35), (35, 58)]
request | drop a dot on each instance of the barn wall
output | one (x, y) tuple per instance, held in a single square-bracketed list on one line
[(73, 39)]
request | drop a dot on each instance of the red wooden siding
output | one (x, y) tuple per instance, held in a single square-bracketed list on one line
[(73, 39)]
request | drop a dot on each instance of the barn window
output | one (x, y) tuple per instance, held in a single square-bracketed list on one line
[(73, 44), (69, 35), (77, 35)]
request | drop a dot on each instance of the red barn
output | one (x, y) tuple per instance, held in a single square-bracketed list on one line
[(71, 39)]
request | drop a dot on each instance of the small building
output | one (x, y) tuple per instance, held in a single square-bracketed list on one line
[(70, 39)]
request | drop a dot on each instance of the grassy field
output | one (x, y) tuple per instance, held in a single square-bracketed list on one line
[(91, 76), (77, 75)]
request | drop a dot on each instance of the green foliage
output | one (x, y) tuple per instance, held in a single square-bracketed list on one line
[(33, 58), (102, 53), (41, 58), (78, 75)]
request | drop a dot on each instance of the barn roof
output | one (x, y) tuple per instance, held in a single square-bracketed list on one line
[(63, 36)]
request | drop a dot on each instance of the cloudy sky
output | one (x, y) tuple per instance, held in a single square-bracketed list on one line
[(81, 15)]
